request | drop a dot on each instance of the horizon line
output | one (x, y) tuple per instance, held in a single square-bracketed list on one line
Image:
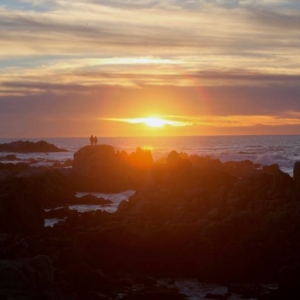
[(148, 136)]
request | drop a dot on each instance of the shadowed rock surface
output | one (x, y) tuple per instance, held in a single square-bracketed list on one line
[(102, 169), (195, 217), (28, 279), (20, 207)]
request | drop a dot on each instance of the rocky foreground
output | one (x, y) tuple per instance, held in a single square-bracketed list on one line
[(195, 217)]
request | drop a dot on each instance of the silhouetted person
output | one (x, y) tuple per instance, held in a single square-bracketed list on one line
[(92, 139), (95, 140)]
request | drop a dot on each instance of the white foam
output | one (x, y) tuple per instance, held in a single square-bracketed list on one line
[(116, 197), (51, 222), (82, 208)]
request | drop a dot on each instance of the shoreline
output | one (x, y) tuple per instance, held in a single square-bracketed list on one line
[(191, 216)]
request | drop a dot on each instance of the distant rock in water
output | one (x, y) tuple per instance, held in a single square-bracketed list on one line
[(27, 146)]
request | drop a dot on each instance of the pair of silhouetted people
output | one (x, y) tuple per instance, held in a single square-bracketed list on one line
[(93, 140)]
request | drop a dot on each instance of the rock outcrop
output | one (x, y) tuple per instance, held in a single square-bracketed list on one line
[(231, 222), (100, 168), (27, 147), (28, 279), (20, 206)]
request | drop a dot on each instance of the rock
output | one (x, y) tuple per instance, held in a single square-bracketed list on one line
[(27, 147), (10, 157), (68, 163), (43, 265), (101, 169), (124, 207), (289, 281), (201, 221), (173, 160), (146, 280), (28, 279), (171, 281), (91, 199), (246, 290), (296, 172), (57, 164), (55, 187), (217, 296), (213, 214), (178, 162), (98, 168), (296, 177), (20, 207), (9, 170), (17, 249), (271, 168), (141, 159), (158, 293), (57, 213)]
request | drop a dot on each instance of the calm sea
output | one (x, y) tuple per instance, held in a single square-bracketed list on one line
[(283, 150)]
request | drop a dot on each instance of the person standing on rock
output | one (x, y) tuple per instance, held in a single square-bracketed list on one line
[(92, 140), (95, 140)]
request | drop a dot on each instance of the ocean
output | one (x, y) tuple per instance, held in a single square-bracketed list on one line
[(281, 149)]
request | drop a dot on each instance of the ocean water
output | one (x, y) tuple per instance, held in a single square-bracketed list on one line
[(281, 149), (116, 199)]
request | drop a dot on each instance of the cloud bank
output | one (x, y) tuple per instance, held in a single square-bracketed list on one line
[(207, 59)]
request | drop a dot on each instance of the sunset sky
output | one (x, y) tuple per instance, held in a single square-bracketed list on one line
[(195, 67)]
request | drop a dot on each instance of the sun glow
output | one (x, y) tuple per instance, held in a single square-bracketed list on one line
[(156, 122), (152, 122)]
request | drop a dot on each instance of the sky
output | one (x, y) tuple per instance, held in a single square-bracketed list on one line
[(199, 67)]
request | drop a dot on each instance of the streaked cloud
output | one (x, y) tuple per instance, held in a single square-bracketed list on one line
[(230, 58), (213, 121), (152, 121)]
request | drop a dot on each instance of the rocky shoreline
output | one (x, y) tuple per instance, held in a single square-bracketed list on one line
[(191, 217)]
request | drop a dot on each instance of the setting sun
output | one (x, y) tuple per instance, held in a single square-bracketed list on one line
[(155, 122), (158, 122)]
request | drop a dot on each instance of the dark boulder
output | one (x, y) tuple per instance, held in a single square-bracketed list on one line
[(247, 291), (92, 200), (60, 213), (28, 279), (217, 296), (296, 173), (9, 170), (296, 177), (101, 169), (289, 281), (20, 207), (98, 168), (10, 157), (173, 159), (141, 159), (53, 186), (177, 162), (158, 293)]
